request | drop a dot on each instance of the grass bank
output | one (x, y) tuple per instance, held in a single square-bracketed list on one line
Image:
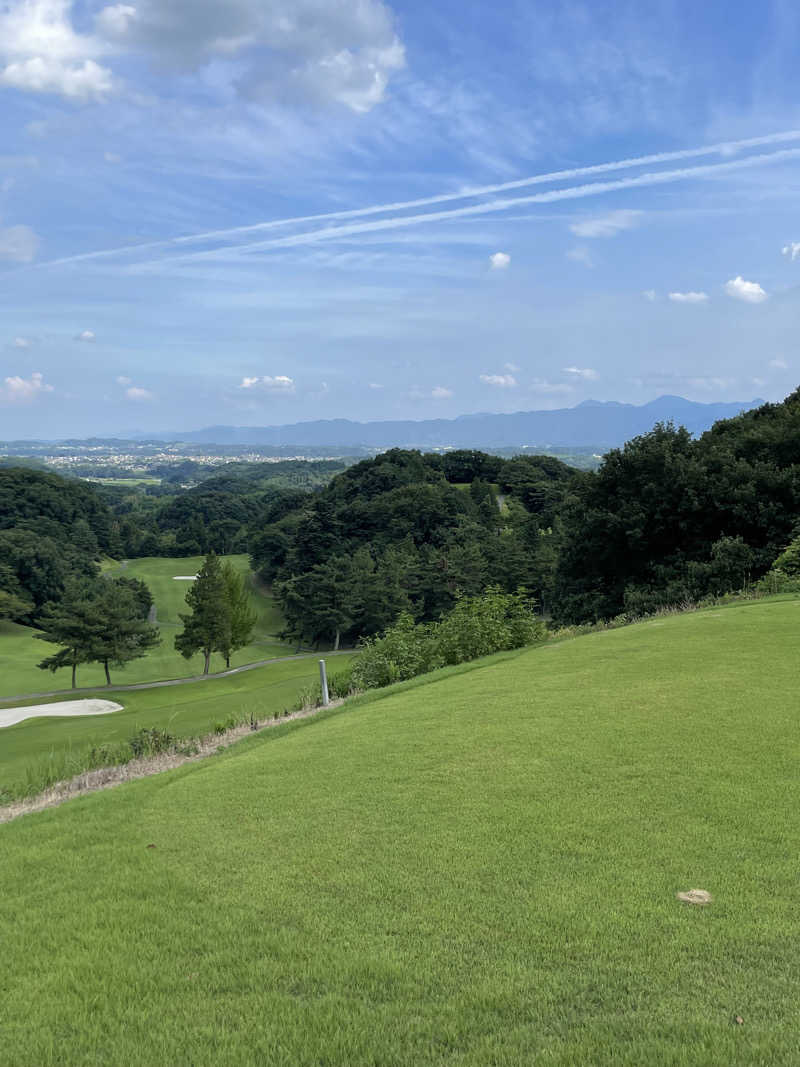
[(477, 869), (44, 750)]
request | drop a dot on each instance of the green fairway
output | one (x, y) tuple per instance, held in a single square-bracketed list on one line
[(183, 710), (478, 869), (20, 651)]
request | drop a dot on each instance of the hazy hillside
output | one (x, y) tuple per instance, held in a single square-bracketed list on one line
[(590, 423)]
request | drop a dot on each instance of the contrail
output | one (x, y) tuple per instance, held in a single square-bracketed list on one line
[(575, 192), (721, 148)]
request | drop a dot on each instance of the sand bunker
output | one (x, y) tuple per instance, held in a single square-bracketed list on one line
[(11, 716), (184, 577)]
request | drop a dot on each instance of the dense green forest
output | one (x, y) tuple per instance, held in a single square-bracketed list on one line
[(667, 518)]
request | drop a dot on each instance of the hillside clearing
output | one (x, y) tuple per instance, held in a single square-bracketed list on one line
[(479, 869)]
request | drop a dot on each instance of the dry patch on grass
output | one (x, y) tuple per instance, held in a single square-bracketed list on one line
[(107, 777), (695, 896)]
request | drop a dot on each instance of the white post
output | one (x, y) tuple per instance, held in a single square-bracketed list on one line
[(323, 677)]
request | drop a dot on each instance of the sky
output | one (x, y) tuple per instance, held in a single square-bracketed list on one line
[(268, 211)]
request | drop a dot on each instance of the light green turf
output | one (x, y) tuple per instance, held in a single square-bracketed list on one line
[(190, 710), (20, 651), (480, 870)]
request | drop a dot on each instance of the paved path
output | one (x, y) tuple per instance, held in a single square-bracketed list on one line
[(173, 681)]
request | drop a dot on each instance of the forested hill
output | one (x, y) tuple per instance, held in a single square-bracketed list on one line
[(51, 529), (412, 532), (666, 518)]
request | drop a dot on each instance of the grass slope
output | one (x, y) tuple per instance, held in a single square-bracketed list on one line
[(184, 711), (20, 651), (479, 870)]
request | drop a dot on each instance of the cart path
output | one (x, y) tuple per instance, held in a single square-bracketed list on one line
[(173, 681)]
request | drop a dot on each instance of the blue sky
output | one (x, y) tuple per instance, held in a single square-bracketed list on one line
[(266, 211)]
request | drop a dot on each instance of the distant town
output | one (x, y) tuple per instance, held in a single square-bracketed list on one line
[(183, 463)]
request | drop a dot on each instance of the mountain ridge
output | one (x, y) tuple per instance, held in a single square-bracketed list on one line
[(593, 422)]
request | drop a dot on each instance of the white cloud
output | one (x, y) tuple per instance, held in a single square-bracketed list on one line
[(123, 380), (581, 254), (503, 381), (792, 250), (41, 75), (17, 390), (550, 388), (513, 367), (606, 225), (135, 393), (86, 335), (749, 292), (40, 51), (688, 298), (375, 385), (499, 260), (112, 157), (268, 384), (710, 384), (649, 294), (335, 51), (440, 393), (581, 372), (22, 342), (115, 21), (779, 364), (19, 244)]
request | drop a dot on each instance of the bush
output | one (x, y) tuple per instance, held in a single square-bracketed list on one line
[(778, 581), (788, 562), (476, 626), (150, 742)]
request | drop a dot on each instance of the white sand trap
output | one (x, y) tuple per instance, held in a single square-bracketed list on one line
[(184, 577), (69, 707)]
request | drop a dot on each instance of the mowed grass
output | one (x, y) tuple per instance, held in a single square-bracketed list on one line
[(20, 651), (51, 743), (477, 870)]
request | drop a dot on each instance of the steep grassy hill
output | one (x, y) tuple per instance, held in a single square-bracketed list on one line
[(20, 651), (480, 869)]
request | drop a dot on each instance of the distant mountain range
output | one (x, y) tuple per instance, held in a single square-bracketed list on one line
[(592, 423)]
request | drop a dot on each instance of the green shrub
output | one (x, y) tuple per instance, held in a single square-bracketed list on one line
[(778, 581), (476, 626), (788, 562), (150, 742)]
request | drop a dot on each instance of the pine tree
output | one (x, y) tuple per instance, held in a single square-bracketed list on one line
[(242, 616), (72, 623), (96, 621), (124, 633), (207, 628)]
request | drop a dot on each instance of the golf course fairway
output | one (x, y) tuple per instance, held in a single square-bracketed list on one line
[(20, 651), (476, 868)]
